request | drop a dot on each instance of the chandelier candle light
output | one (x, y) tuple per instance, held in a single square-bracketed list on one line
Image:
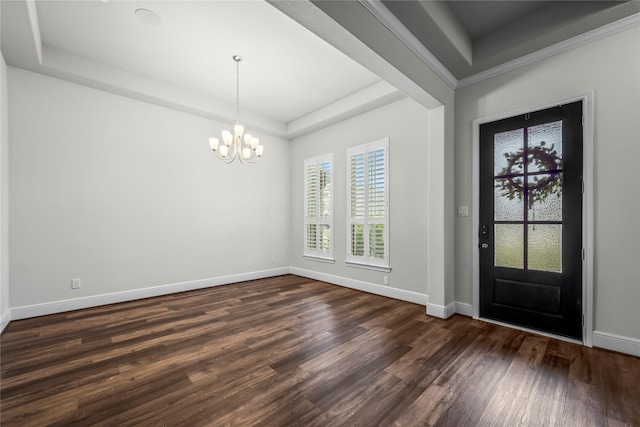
[(232, 141)]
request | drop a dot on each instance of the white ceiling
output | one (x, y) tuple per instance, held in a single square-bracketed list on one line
[(291, 80), (287, 72)]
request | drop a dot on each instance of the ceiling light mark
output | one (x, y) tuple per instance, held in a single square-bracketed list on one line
[(149, 17), (318, 95)]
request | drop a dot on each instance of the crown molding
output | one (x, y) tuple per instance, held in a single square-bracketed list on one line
[(35, 27), (389, 20), (564, 46), (394, 25)]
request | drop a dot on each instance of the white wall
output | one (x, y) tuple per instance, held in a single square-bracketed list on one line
[(405, 124), (368, 40), (4, 197), (611, 67), (127, 195)]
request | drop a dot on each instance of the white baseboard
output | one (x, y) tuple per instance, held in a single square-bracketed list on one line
[(616, 343), (600, 339), (372, 288), (5, 319), (443, 312), (97, 300), (464, 309)]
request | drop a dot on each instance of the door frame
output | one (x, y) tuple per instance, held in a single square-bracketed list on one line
[(587, 211)]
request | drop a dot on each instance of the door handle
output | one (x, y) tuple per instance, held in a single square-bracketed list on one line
[(484, 232), (484, 246)]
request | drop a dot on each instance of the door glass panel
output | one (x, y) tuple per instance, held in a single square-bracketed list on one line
[(545, 147), (509, 249), (508, 203), (545, 197), (545, 247), (508, 151)]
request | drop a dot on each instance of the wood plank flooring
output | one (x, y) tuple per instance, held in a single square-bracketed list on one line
[(290, 351)]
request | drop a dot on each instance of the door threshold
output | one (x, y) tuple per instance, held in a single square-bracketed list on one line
[(533, 331)]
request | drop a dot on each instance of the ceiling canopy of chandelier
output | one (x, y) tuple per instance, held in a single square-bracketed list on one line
[(232, 141)]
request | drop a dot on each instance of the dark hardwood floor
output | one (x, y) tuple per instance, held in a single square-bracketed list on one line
[(290, 351)]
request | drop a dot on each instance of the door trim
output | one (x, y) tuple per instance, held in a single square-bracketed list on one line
[(587, 206)]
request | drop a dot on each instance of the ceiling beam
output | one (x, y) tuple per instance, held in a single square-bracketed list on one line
[(352, 29), (368, 99)]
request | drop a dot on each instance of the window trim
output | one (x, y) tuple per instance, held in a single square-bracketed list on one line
[(318, 255), (366, 261)]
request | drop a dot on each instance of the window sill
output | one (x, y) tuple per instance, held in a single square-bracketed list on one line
[(319, 259), (368, 266)]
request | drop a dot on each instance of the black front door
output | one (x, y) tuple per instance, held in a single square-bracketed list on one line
[(531, 220)]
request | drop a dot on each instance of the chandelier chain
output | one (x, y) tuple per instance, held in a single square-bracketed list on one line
[(237, 91)]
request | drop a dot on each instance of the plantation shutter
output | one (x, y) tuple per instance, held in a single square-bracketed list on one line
[(318, 207), (376, 203), (357, 203), (367, 190), (311, 206)]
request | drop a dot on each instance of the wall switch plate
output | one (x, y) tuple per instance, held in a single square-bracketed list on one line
[(75, 284), (463, 210)]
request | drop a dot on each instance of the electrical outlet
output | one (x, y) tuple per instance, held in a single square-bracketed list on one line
[(75, 284), (385, 280), (273, 260)]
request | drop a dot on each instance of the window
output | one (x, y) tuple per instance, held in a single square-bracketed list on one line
[(318, 207), (368, 204)]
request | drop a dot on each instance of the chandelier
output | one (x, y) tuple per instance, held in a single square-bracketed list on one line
[(232, 146)]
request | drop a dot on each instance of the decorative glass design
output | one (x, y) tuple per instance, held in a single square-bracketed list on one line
[(509, 245), (505, 208), (545, 146), (545, 247), (546, 205), (528, 197), (505, 144)]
